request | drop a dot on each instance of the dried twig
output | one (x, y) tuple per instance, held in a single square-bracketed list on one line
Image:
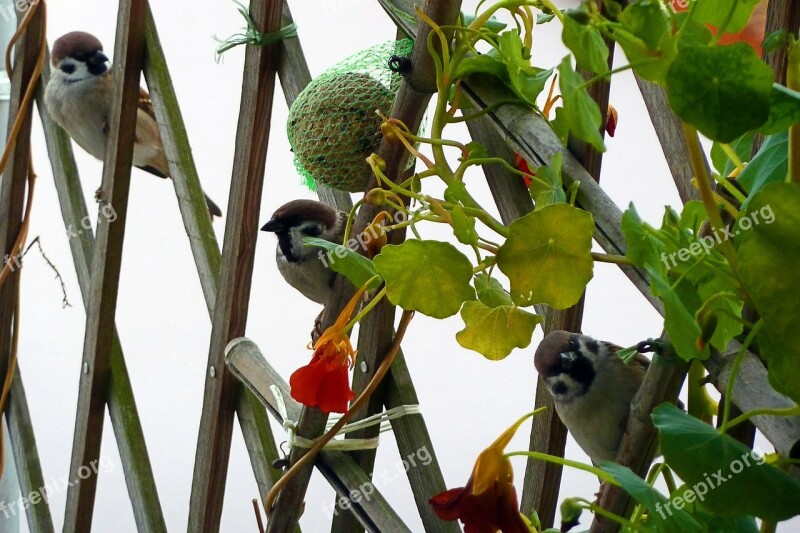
[(37, 242)]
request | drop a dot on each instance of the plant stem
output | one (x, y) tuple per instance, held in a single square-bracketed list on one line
[(789, 411), (367, 308), (726, 409), (697, 161), (611, 258), (596, 509), (602, 474), (793, 83)]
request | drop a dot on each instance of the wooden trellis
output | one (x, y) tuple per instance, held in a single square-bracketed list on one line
[(226, 279)]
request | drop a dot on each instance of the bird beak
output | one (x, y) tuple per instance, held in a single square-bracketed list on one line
[(273, 226), (98, 58)]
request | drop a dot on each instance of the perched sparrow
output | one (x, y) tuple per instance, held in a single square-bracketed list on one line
[(78, 97), (306, 268), (592, 388)]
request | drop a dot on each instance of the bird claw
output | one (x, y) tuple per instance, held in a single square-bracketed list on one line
[(98, 195), (316, 333)]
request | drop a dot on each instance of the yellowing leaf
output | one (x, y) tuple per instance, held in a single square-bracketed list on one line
[(547, 256), (495, 331), (431, 277)]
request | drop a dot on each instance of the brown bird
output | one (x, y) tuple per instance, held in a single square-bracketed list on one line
[(306, 268), (592, 387), (78, 97)]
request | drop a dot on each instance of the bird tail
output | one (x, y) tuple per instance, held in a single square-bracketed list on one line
[(213, 208)]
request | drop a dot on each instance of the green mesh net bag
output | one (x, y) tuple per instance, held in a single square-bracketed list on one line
[(332, 124)]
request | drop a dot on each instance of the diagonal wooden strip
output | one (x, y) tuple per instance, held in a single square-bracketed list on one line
[(12, 201), (106, 261), (26, 458), (191, 201), (121, 403), (247, 363), (233, 290)]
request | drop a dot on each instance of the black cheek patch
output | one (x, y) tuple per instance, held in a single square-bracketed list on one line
[(582, 372), (97, 68), (593, 346), (67, 68)]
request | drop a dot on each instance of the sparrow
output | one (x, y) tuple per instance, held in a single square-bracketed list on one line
[(78, 97), (307, 268), (592, 388)]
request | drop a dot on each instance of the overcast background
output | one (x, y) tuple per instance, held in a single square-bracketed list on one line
[(161, 315)]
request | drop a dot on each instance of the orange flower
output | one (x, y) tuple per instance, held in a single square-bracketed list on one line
[(324, 382), (374, 235), (489, 501)]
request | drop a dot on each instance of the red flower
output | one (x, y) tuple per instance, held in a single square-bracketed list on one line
[(324, 382), (611, 123), (489, 501), (523, 166)]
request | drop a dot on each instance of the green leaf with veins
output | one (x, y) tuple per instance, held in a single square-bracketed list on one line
[(463, 226), (679, 322), (352, 265), (692, 32), (695, 450), (547, 256), (552, 193), (651, 65), (716, 13), (431, 277), (647, 21), (580, 110), (586, 43), (652, 500), (524, 79), (490, 291), (495, 331), (769, 268), (770, 165), (643, 247), (723, 91), (784, 110)]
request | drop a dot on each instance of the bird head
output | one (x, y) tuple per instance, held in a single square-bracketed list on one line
[(78, 56), (305, 218), (569, 363)]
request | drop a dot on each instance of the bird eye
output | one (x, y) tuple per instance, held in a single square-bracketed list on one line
[(67, 68), (573, 345), (311, 230), (567, 360)]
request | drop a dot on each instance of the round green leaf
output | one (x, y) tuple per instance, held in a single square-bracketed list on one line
[(490, 291), (495, 331), (547, 256), (431, 277), (724, 91)]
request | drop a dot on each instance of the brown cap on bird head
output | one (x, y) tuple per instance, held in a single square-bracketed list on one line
[(549, 351), (73, 44)]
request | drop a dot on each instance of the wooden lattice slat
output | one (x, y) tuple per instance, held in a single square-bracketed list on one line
[(105, 266)]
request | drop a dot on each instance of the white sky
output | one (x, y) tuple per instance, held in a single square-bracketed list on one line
[(161, 315)]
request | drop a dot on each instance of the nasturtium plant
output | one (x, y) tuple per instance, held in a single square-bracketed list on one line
[(725, 267)]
